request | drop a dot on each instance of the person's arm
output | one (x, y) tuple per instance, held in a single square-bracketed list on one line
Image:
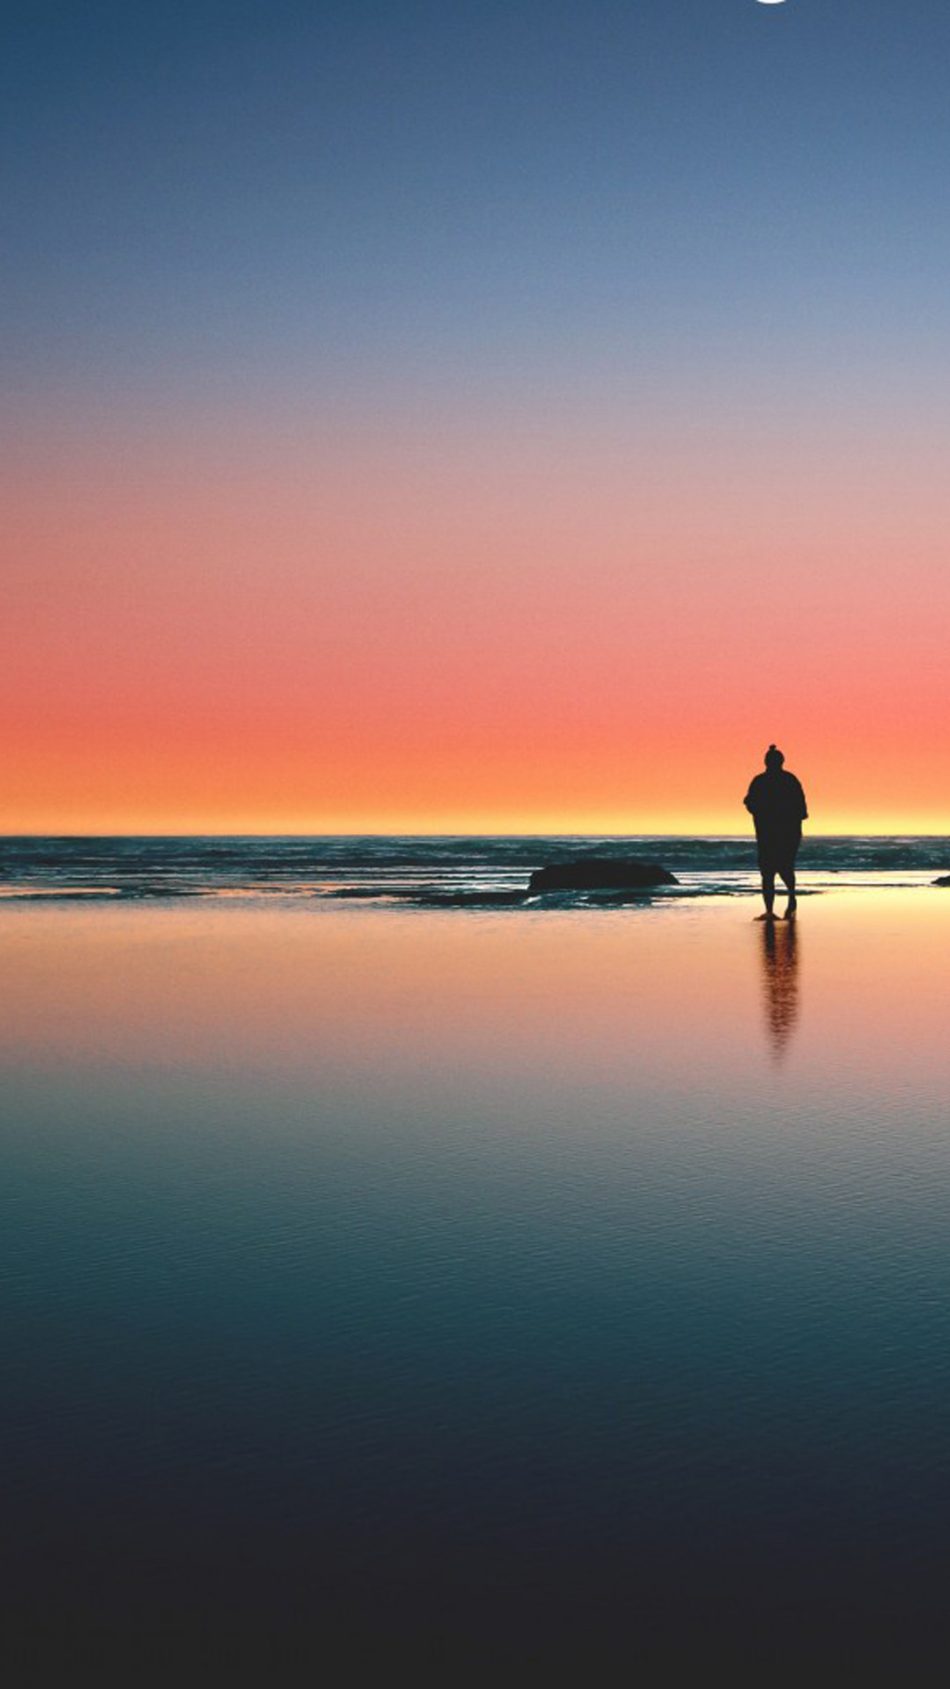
[(801, 794), (748, 800)]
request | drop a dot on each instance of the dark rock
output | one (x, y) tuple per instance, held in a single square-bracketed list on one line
[(944, 880), (599, 873)]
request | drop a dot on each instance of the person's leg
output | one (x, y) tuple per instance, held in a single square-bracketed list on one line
[(788, 876), (768, 891)]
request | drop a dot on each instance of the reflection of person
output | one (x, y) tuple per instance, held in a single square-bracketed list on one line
[(780, 977), (776, 803)]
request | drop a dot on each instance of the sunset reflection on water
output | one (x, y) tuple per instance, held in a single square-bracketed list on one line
[(371, 1256)]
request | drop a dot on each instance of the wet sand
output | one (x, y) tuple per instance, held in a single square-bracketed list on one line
[(536, 1284)]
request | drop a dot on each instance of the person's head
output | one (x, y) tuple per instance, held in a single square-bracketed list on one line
[(773, 759)]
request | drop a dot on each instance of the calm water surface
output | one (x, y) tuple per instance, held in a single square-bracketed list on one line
[(452, 1281)]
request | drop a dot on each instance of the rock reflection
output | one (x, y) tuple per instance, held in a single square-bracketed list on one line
[(780, 959)]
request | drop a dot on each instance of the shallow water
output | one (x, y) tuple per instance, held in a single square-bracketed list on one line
[(538, 1282), (433, 872)]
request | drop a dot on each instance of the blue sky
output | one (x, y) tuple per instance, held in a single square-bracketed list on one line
[(367, 192)]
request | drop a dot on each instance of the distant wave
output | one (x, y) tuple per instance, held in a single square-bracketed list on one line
[(450, 872)]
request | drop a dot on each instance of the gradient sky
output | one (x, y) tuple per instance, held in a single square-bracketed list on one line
[(474, 416)]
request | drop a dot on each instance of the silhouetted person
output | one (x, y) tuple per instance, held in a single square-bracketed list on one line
[(776, 803)]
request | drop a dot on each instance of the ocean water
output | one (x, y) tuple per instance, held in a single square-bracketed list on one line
[(460, 1289), (430, 872)]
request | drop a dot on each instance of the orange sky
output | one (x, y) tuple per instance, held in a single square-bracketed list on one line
[(511, 624)]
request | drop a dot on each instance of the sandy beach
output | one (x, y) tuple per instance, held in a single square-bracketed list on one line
[(438, 1280)]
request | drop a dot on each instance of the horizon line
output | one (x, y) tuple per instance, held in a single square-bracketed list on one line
[(546, 833)]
